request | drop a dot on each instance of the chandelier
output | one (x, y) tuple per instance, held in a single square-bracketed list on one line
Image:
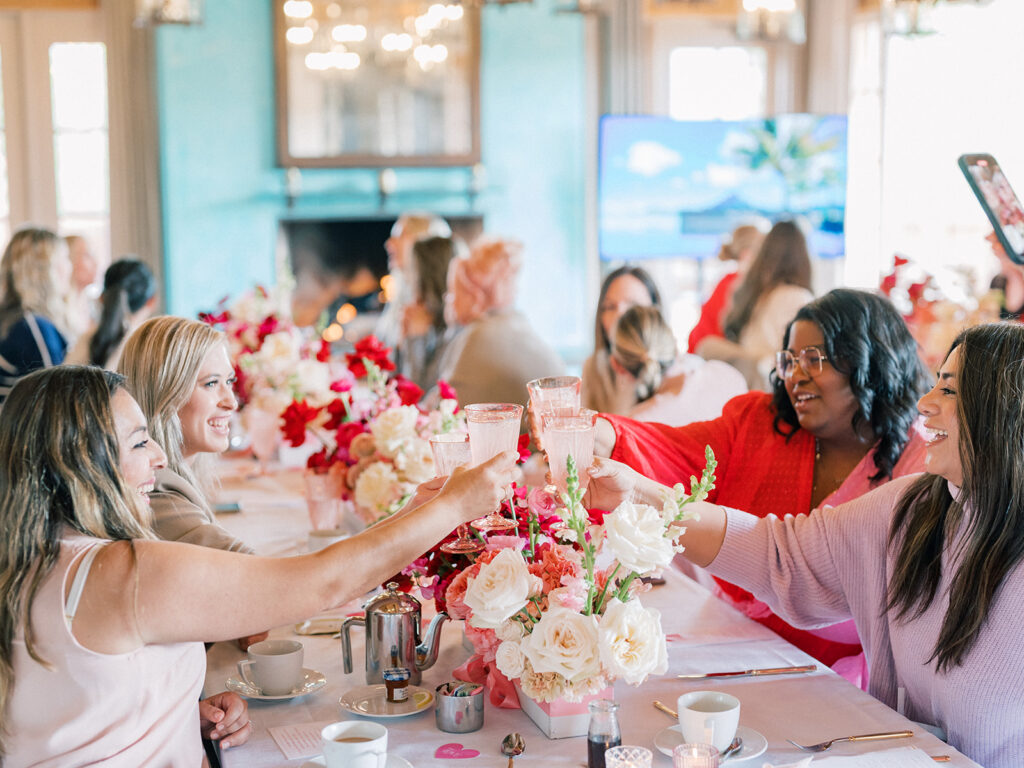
[(148, 12), (911, 18), (772, 21)]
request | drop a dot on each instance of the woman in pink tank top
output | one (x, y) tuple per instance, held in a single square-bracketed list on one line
[(123, 646)]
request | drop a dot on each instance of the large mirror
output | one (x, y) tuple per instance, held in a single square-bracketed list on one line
[(377, 82)]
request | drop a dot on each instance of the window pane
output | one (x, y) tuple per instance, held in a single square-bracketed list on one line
[(717, 83), (81, 161), (78, 81), (5, 202)]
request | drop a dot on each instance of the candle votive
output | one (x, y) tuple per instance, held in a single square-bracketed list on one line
[(628, 757), (695, 756)]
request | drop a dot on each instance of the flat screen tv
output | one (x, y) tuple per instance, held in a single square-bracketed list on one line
[(675, 188)]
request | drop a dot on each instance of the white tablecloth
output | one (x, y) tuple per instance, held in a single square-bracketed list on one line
[(705, 635)]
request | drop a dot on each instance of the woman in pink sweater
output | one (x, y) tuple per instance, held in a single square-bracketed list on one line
[(929, 567)]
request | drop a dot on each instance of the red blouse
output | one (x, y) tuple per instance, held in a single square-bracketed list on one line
[(759, 471)]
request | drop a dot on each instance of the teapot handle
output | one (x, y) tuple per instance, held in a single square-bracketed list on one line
[(346, 641)]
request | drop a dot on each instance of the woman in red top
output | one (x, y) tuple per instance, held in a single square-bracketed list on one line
[(741, 248), (839, 421)]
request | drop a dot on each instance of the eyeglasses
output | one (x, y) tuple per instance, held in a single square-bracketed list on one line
[(811, 359)]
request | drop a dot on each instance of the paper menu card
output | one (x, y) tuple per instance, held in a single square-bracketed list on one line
[(903, 757), (301, 740)]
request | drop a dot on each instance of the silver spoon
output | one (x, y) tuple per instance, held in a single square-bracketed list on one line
[(512, 745), (733, 748)]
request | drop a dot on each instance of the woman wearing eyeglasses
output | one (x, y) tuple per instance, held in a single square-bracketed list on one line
[(840, 420)]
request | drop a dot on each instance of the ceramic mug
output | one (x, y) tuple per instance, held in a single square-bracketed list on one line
[(354, 744), (276, 666), (708, 717)]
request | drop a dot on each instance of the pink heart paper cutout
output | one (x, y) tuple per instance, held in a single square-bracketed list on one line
[(455, 751), (673, 637)]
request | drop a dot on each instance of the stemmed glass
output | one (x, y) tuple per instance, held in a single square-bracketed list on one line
[(555, 395), (566, 436), (452, 450), (493, 429), (264, 433)]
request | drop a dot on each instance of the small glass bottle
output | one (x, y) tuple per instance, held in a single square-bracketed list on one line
[(604, 731)]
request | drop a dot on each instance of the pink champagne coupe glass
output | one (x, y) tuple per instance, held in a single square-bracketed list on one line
[(493, 429), (553, 396), (264, 435), (452, 450), (566, 436)]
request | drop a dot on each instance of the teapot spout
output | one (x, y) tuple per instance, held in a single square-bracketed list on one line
[(426, 652)]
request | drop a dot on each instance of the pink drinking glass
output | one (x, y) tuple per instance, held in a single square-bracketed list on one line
[(493, 429), (264, 435), (566, 436), (555, 395), (452, 450)]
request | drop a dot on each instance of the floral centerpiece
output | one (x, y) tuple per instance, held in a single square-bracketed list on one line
[(371, 432), (275, 361), (936, 306), (540, 610)]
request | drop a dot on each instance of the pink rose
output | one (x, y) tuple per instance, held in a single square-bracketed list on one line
[(505, 542), (456, 592)]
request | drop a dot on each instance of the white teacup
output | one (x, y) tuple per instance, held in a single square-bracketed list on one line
[(354, 744), (708, 717), (276, 666)]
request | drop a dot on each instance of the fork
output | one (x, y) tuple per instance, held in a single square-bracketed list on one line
[(862, 737)]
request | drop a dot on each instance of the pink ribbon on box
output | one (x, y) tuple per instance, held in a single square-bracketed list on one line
[(500, 689)]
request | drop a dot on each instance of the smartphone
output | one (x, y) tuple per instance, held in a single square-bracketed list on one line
[(998, 201)]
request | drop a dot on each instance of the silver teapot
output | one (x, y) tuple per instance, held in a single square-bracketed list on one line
[(392, 622)]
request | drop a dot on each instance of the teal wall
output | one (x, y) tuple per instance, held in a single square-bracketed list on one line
[(223, 194)]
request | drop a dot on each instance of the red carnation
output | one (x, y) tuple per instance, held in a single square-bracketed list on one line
[(888, 283), (446, 390), (408, 391), (371, 349), (269, 325), (337, 413), (348, 431), (295, 417), (324, 353), (523, 447)]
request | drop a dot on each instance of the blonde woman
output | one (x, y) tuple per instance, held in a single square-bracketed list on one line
[(669, 388), (101, 625), (496, 351), (35, 278), (180, 373)]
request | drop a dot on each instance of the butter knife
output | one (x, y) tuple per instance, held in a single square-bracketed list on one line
[(753, 672)]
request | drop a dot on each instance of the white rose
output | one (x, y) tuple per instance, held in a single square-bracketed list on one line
[(632, 645), (564, 642), (313, 378), (499, 591), (510, 631), (415, 460), (510, 660), (377, 487), (393, 427), (635, 535)]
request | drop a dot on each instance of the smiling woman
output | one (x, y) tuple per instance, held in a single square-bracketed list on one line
[(179, 372), (838, 423)]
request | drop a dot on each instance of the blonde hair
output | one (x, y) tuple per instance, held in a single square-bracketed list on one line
[(59, 466), (644, 345), (27, 281), (161, 361), (744, 237)]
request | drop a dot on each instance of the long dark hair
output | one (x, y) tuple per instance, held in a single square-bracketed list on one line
[(430, 259), (127, 285), (990, 414), (867, 340), (59, 466), (782, 260), (601, 340)]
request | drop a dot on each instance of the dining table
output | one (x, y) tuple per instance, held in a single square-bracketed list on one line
[(704, 634)]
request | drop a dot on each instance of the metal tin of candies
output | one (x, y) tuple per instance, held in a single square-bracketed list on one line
[(460, 707)]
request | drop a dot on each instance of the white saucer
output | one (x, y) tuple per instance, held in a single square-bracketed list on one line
[(372, 701), (754, 743), (393, 761), (311, 681)]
